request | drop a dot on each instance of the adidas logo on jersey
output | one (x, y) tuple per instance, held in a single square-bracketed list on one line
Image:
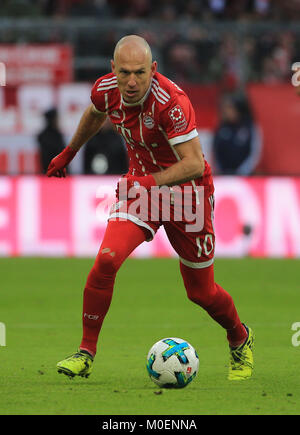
[(116, 114)]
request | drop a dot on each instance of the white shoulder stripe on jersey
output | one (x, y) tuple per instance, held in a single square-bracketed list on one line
[(157, 97), (159, 93), (161, 89), (106, 88), (108, 80), (107, 83), (183, 138)]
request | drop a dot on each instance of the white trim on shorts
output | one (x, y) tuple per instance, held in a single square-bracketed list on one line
[(201, 265), (135, 220)]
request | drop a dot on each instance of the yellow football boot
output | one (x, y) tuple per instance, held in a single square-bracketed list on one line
[(241, 359), (78, 364)]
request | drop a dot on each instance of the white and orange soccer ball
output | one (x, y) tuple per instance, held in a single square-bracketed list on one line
[(172, 363)]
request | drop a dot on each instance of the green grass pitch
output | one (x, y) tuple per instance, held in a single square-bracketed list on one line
[(40, 304)]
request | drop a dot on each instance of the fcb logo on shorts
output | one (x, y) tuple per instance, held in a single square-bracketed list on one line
[(148, 121)]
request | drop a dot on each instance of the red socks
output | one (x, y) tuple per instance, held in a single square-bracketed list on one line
[(237, 335), (120, 239), (202, 289), (96, 302)]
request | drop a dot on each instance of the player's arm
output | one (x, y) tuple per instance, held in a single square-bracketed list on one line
[(177, 120), (190, 166), (89, 124)]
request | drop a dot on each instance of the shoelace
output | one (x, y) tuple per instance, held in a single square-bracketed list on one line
[(238, 358), (79, 356)]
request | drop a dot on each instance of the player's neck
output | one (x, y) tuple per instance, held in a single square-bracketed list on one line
[(141, 101)]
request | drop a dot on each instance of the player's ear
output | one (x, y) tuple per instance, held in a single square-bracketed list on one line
[(112, 63), (153, 68)]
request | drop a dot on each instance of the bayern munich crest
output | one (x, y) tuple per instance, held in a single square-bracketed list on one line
[(148, 121)]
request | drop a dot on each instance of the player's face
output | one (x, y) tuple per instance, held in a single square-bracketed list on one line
[(133, 76)]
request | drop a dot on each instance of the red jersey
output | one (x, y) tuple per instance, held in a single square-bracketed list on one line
[(151, 127)]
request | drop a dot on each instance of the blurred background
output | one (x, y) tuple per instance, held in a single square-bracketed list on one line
[(232, 57)]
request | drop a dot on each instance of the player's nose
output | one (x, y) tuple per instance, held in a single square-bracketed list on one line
[(132, 82)]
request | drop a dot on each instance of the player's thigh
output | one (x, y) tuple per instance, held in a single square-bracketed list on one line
[(194, 248), (138, 212)]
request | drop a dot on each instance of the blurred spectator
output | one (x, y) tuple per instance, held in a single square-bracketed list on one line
[(75, 8), (287, 10), (283, 54), (270, 73), (105, 153), (190, 47), (182, 62), (139, 9), (19, 8), (217, 9), (50, 139), (231, 62), (262, 7), (236, 144)]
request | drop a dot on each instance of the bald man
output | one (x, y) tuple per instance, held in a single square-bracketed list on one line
[(157, 122)]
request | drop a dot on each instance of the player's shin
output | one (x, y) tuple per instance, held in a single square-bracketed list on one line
[(96, 301), (202, 289)]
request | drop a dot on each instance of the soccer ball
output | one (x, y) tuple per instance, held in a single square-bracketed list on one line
[(172, 363)]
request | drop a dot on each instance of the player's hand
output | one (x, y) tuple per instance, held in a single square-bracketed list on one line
[(57, 166), (128, 182)]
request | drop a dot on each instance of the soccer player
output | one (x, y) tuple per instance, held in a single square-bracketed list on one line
[(157, 121)]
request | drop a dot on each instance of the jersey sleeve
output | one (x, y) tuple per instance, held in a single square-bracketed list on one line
[(98, 98), (178, 120)]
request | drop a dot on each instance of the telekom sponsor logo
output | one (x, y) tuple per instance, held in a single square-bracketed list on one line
[(68, 217)]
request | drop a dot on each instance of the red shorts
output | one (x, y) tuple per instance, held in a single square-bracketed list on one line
[(188, 222)]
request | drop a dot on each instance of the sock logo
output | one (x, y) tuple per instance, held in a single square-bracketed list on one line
[(91, 316)]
